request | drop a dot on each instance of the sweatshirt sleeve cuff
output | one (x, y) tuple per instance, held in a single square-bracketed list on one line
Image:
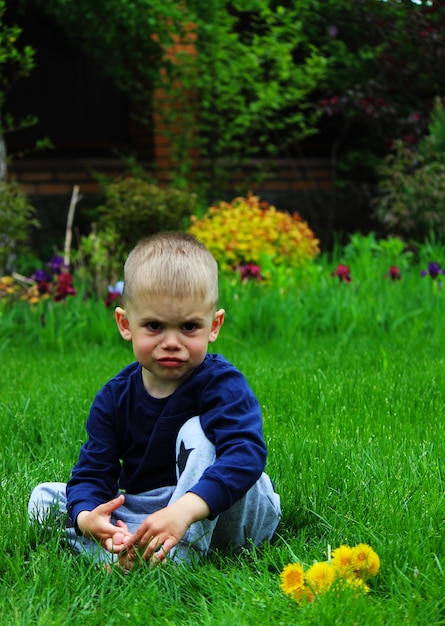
[(218, 498)]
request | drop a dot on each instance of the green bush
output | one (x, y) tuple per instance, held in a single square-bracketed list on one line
[(135, 208), (99, 261), (412, 184), (17, 218)]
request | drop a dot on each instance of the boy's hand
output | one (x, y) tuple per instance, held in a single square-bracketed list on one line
[(97, 525), (162, 530)]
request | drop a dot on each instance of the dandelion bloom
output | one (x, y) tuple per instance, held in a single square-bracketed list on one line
[(343, 272), (364, 561), (304, 595), (354, 583), (292, 578), (341, 558), (320, 576)]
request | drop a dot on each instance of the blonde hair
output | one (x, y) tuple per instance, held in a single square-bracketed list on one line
[(174, 263)]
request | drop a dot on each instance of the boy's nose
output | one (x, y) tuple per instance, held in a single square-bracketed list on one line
[(171, 342)]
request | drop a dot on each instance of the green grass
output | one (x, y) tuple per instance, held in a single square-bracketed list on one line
[(351, 382)]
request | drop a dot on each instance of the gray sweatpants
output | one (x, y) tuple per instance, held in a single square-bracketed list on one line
[(254, 518)]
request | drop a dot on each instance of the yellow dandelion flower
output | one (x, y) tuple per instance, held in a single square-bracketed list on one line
[(356, 583), (304, 595), (292, 578), (364, 561), (341, 558), (320, 576)]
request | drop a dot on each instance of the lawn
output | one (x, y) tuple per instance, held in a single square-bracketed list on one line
[(350, 378)]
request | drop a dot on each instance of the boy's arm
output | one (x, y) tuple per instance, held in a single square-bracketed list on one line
[(94, 478), (232, 421), (161, 531)]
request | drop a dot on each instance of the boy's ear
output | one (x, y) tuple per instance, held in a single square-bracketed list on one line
[(218, 321), (122, 323)]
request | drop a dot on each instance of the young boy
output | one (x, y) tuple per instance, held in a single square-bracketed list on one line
[(173, 464)]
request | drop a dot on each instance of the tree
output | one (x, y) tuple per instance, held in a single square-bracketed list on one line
[(15, 62), (269, 75), (385, 62), (411, 200), (244, 74), (252, 93)]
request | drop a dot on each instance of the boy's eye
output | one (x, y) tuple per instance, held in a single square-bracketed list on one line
[(189, 326), (154, 326)]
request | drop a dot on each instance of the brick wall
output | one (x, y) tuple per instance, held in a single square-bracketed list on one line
[(302, 185), (45, 177)]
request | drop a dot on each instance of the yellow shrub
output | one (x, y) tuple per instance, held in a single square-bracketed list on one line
[(247, 230)]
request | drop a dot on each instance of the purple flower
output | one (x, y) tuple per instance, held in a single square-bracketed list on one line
[(433, 270), (56, 264), (40, 276)]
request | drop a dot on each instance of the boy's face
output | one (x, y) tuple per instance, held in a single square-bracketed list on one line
[(170, 337)]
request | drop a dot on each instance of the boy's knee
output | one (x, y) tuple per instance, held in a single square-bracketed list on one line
[(45, 498), (193, 449)]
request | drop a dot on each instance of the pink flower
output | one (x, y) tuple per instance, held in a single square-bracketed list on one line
[(394, 273), (343, 272), (64, 287), (249, 271)]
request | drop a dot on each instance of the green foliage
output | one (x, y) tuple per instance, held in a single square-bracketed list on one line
[(17, 218), (384, 61), (15, 62), (254, 96), (368, 255), (306, 301), (267, 75), (248, 230), (412, 184), (135, 208), (432, 146), (58, 326), (99, 261)]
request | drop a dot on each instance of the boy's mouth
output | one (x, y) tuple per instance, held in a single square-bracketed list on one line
[(170, 362)]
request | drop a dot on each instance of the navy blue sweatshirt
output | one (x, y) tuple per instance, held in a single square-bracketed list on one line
[(132, 437)]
